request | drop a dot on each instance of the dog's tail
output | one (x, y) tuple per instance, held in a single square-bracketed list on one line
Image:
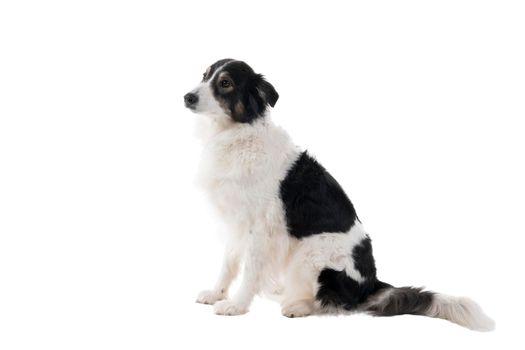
[(390, 301)]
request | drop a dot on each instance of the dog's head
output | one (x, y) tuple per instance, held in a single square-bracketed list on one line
[(231, 90)]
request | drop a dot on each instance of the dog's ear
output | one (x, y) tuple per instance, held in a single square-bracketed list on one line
[(253, 104), (267, 92)]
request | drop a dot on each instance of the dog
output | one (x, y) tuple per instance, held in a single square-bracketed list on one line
[(292, 227)]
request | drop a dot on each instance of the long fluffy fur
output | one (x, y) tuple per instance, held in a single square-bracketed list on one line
[(293, 229), (461, 310)]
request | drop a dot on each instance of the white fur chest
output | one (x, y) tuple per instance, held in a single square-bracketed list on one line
[(241, 169), (232, 170)]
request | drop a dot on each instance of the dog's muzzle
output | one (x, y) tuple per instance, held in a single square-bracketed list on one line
[(190, 100)]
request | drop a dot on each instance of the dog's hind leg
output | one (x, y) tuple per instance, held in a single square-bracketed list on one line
[(300, 286)]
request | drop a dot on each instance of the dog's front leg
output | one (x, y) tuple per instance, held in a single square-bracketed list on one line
[(229, 270), (252, 279)]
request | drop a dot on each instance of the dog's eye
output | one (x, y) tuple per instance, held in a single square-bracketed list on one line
[(204, 75), (225, 83)]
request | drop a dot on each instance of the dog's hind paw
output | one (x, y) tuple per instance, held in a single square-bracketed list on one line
[(300, 308)]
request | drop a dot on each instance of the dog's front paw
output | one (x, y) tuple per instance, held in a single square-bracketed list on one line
[(229, 308), (210, 297)]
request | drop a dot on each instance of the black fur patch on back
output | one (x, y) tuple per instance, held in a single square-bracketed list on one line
[(313, 200)]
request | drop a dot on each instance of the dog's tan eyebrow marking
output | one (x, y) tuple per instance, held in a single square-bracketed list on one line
[(224, 75), (214, 69)]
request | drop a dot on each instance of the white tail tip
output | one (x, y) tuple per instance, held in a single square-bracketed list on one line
[(460, 310)]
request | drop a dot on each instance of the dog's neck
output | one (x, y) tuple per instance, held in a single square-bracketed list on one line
[(209, 127)]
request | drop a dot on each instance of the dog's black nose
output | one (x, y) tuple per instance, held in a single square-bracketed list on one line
[(190, 99)]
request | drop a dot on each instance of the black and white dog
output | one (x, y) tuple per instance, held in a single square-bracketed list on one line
[(292, 226)]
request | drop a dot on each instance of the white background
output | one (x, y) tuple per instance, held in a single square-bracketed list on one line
[(415, 107)]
